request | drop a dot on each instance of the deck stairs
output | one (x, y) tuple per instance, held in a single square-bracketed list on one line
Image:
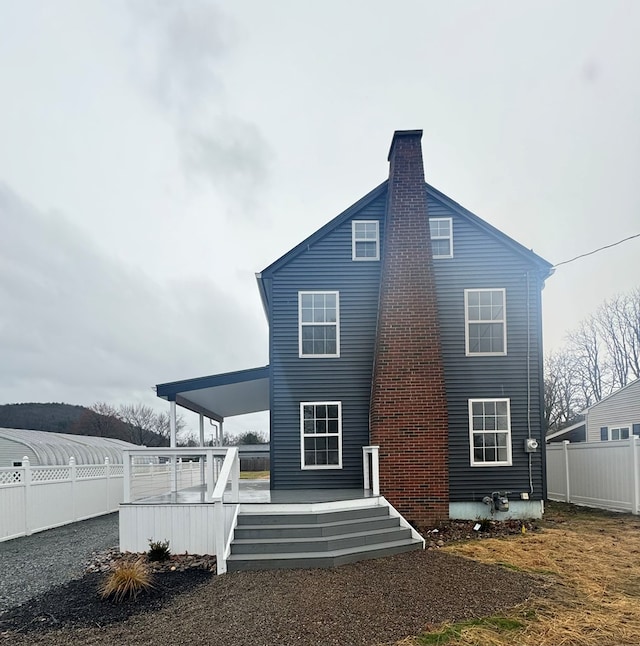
[(318, 534)]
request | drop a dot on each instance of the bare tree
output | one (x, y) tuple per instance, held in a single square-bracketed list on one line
[(590, 365), (562, 401), (147, 426)]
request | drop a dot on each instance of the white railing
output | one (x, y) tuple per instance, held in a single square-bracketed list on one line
[(152, 472), (595, 474), (230, 472), (35, 498), (371, 469)]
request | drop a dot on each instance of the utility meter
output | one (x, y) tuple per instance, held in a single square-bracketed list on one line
[(530, 445)]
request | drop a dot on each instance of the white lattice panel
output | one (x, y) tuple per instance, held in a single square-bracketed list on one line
[(50, 474), (91, 471), (11, 477), (116, 470)]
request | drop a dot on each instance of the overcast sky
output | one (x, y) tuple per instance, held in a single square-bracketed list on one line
[(155, 154)]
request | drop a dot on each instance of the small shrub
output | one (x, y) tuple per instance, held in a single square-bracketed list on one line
[(158, 550), (127, 580)]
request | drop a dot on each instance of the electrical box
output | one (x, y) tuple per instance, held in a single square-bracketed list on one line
[(530, 445)]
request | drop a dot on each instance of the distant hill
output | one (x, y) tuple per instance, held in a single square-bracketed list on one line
[(56, 418), (76, 420)]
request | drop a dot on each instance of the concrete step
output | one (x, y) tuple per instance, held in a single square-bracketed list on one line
[(331, 558), (310, 530), (319, 544)]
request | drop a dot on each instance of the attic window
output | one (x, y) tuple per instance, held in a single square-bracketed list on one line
[(441, 237), (365, 240)]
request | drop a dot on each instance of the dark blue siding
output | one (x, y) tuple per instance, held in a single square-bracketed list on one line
[(325, 266), (481, 261)]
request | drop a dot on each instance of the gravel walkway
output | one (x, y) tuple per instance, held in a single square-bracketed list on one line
[(33, 564)]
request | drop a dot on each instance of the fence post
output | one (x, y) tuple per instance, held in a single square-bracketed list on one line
[(107, 475), (635, 474), (567, 478), (126, 472), (26, 465), (72, 465)]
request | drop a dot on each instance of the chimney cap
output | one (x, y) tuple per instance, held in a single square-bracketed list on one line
[(403, 133)]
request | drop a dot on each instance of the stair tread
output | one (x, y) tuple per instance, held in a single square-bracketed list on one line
[(324, 555), (315, 539), (335, 523)]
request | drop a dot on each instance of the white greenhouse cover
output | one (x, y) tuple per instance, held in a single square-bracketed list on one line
[(56, 448)]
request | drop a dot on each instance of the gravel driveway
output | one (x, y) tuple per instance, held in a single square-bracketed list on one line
[(33, 564)]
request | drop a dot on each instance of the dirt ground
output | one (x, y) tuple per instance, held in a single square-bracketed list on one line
[(574, 580)]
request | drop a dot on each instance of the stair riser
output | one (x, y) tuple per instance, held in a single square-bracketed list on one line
[(321, 545), (308, 519), (285, 533), (318, 562)]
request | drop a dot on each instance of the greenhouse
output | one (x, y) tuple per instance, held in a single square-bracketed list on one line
[(50, 449)]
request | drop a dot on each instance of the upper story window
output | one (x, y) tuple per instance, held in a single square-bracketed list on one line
[(321, 435), (490, 432), (319, 324), (365, 240), (441, 237), (485, 321)]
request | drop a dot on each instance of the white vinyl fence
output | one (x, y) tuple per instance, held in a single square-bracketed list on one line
[(36, 498), (596, 474)]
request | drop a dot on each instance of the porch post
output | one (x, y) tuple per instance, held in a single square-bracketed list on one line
[(201, 445), (172, 429)]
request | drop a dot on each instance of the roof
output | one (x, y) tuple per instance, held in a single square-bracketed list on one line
[(223, 395), (558, 435), (57, 448), (545, 267)]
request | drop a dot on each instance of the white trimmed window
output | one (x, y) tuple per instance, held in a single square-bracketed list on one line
[(619, 433), (490, 432), (321, 435), (441, 237), (485, 321), (365, 240), (319, 324)]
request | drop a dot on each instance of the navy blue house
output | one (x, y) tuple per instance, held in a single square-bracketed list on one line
[(406, 322)]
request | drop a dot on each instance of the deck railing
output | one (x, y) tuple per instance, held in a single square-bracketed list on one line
[(155, 471), (230, 472)]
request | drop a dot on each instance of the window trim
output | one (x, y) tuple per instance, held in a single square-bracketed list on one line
[(509, 460), (467, 352), (619, 427), (354, 240), (301, 355), (320, 467), (449, 237)]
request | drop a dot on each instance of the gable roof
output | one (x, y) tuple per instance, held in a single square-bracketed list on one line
[(633, 384), (545, 267)]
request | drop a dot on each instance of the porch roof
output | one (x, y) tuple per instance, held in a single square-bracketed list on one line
[(223, 395)]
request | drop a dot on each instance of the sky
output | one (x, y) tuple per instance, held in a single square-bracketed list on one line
[(155, 154)]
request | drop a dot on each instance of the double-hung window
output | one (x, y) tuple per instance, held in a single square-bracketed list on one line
[(319, 324), (485, 321), (365, 240), (490, 432), (321, 435), (441, 237), (619, 433)]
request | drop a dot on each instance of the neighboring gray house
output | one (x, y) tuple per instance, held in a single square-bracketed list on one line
[(615, 417)]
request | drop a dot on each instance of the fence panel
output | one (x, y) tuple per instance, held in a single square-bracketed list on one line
[(605, 475)]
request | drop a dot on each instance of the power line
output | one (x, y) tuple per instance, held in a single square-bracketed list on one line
[(590, 253)]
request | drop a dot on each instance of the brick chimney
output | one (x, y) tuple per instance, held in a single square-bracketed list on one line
[(408, 416)]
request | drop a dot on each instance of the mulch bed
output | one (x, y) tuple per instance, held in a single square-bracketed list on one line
[(371, 602)]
